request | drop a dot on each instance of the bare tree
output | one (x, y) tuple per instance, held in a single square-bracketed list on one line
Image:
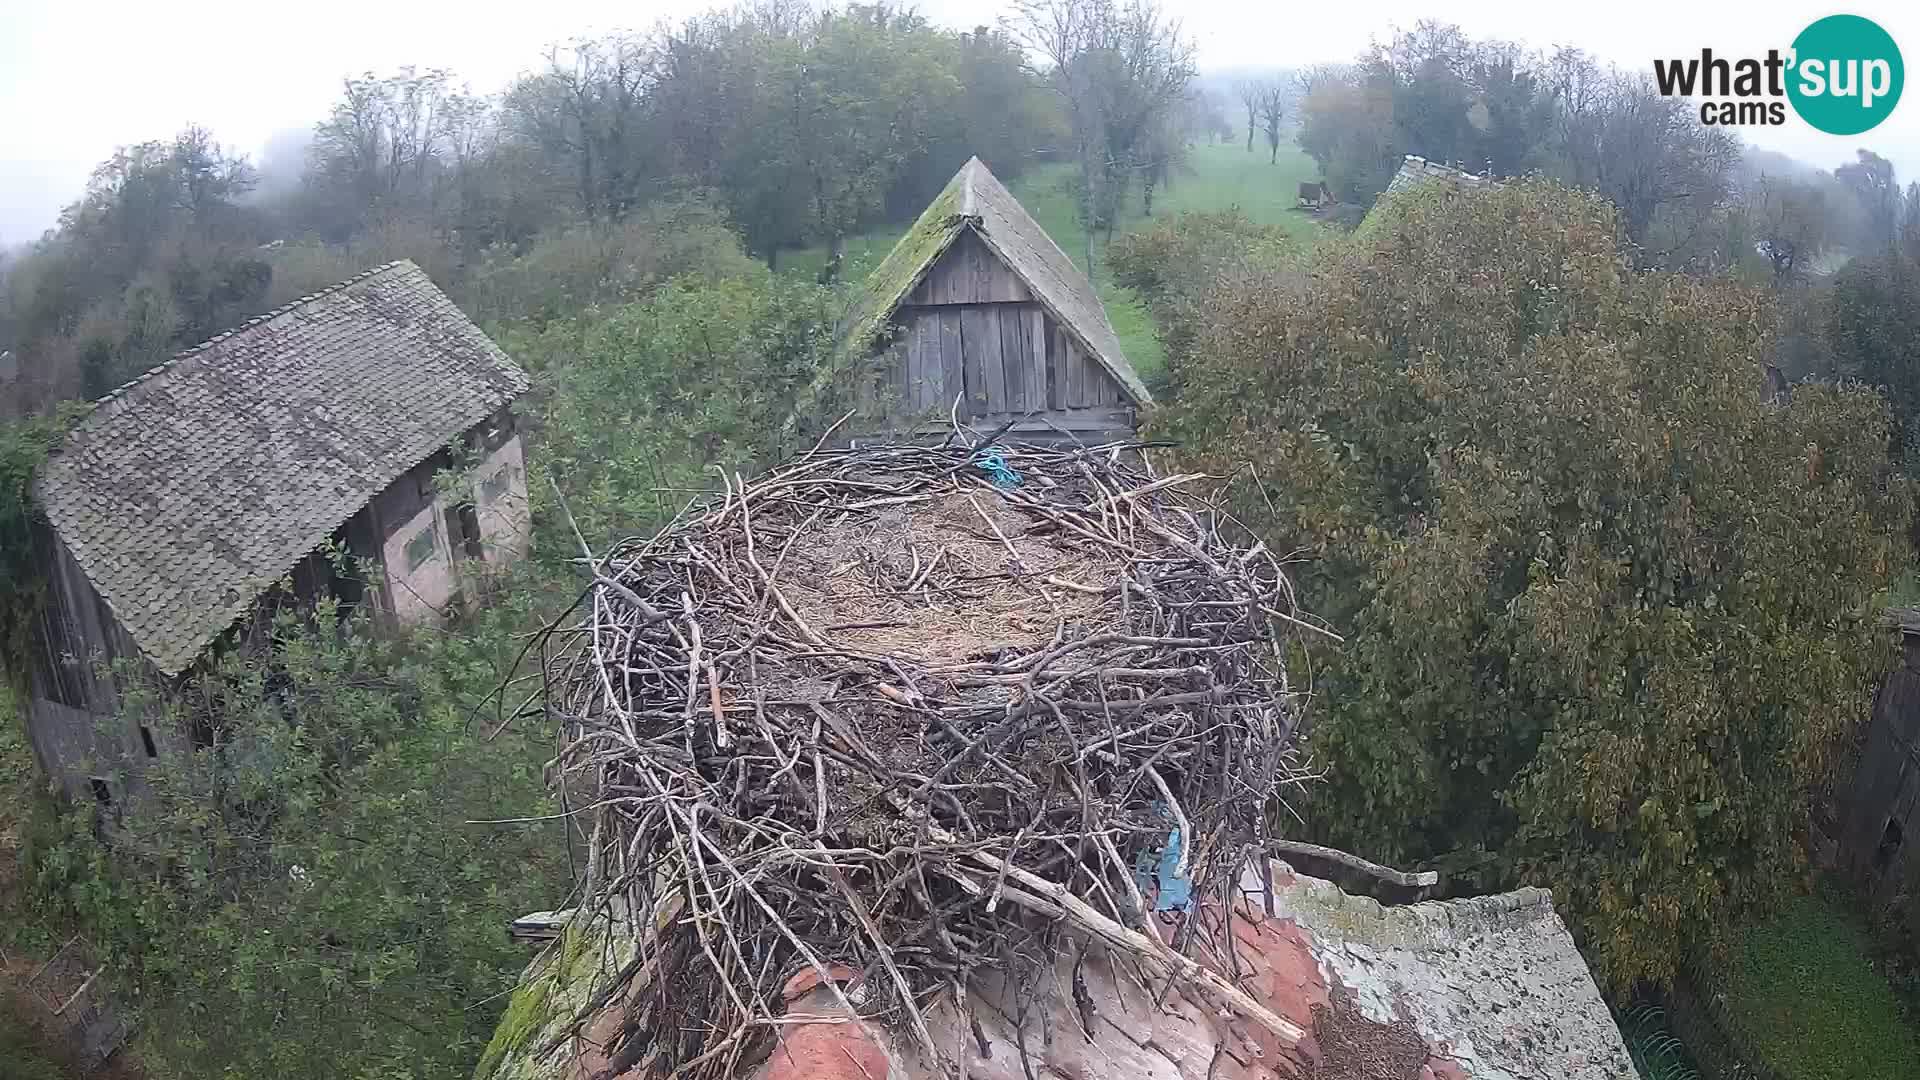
[(1119, 66), (1645, 152), (588, 107), (1269, 104), (1248, 92), (1790, 224)]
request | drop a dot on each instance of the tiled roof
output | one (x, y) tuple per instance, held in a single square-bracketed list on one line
[(1417, 170), (976, 199), (1488, 988), (189, 491)]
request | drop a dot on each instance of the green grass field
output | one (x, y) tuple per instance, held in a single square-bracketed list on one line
[(1806, 1001), (1217, 177)]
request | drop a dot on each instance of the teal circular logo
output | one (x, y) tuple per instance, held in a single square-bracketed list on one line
[(1846, 74)]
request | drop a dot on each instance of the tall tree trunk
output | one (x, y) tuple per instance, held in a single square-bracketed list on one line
[(1087, 203)]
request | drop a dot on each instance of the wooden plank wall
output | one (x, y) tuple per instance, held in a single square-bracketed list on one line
[(1885, 793), (72, 698), (973, 329), (969, 273)]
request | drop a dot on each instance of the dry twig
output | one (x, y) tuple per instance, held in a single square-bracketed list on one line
[(848, 752)]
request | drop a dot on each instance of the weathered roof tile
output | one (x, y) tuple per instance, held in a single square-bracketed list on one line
[(1415, 170), (191, 489)]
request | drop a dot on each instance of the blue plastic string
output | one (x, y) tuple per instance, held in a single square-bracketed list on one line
[(1160, 871), (994, 464)]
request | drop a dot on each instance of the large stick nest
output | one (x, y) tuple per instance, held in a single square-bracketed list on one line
[(872, 710)]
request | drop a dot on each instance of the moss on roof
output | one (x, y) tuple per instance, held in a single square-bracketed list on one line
[(903, 267), (557, 987)]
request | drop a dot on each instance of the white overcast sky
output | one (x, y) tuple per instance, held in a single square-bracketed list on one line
[(78, 79)]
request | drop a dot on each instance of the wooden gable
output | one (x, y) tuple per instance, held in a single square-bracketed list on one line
[(972, 328), (970, 273)]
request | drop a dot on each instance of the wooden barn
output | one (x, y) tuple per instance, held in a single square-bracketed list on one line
[(192, 500), (977, 315), (1879, 813)]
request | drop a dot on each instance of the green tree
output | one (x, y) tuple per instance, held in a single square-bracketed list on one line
[(24, 444), (1610, 611), (158, 253), (1790, 222), (1346, 125), (306, 885), (854, 109), (1870, 178), (1872, 331), (588, 113), (640, 399)]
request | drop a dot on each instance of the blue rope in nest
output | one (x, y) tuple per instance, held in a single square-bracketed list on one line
[(994, 464)]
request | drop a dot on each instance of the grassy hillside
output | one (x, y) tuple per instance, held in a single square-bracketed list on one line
[(1218, 176), (1806, 1000)]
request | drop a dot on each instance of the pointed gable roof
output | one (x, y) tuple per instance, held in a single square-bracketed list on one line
[(975, 199), (189, 491)]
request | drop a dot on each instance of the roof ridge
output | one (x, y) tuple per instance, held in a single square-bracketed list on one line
[(120, 392), (968, 201)]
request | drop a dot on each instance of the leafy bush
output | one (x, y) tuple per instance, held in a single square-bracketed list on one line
[(1180, 263), (305, 889), (639, 400), (1609, 610), (568, 269)]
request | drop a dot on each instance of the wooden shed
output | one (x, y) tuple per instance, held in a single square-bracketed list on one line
[(1880, 810), (190, 502), (977, 315)]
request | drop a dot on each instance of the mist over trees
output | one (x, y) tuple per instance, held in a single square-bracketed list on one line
[(1469, 420), (797, 126), (1116, 69)]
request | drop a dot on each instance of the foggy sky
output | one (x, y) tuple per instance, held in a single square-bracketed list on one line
[(77, 80)]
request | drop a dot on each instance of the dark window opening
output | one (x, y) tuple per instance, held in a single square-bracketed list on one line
[(1889, 845), (464, 524), (146, 741), (102, 794)]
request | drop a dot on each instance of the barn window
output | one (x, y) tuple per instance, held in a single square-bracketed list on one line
[(421, 548), (493, 487), (146, 741), (102, 793)]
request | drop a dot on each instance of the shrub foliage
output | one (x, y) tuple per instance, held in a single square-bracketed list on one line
[(304, 887), (1609, 610)]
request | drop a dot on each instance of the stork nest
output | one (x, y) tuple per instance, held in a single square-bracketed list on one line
[(871, 711)]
